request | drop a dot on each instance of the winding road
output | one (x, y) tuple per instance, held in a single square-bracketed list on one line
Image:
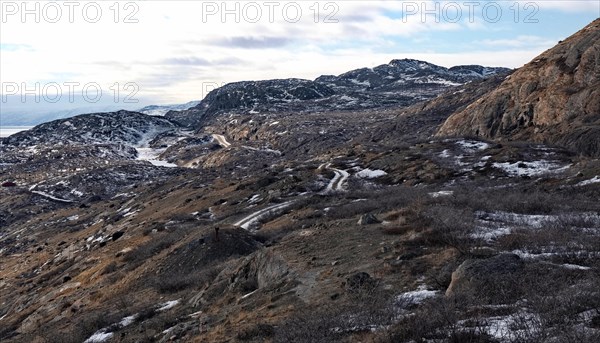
[(247, 222), (338, 181)]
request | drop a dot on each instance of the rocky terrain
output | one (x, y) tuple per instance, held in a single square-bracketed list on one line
[(554, 99), (283, 221), (399, 83)]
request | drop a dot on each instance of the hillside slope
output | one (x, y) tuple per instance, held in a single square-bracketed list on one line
[(554, 99)]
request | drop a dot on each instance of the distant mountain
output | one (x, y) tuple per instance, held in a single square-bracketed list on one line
[(122, 127), (35, 117), (32, 117), (161, 110), (553, 99), (400, 82)]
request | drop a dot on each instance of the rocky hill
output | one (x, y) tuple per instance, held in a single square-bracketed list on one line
[(399, 83), (89, 139), (553, 99), (122, 127)]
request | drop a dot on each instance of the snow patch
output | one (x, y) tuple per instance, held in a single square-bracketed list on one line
[(595, 179), (417, 296), (441, 194), (363, 83), (445, 154), (575, 267), (168, 305), (152, 156), (535, 168), (99, 337), (127, 320), (473, 145), (77, 193), (370, 174), (248, 295)]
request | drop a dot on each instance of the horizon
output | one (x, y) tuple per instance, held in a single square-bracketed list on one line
[(199, 46)]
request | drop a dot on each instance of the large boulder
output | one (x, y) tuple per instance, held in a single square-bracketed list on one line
[(486, 278)]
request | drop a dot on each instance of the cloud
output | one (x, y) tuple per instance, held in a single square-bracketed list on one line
[(186, 61), (251, 42), (200, 62), (518, 42), (15, 47), (569, 6), (187, 52)]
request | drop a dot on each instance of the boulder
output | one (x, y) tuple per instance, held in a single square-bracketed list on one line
[(368, 219), (494, 276)]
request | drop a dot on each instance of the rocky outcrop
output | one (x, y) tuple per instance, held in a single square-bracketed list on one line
[(479, 277), (553, 99), (261, 270)]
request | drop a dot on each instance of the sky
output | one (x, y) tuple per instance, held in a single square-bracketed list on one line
[(128, 54)]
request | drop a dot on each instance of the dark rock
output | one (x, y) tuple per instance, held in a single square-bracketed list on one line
[(117, 235), (486, 277)]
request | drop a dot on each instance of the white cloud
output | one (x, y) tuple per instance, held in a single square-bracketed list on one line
[(518, 42), (571, 6)]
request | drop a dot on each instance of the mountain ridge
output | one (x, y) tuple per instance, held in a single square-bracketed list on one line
[(401, 82)]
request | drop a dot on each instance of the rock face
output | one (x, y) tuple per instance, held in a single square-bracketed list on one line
[(553, 99), (400, 82)]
